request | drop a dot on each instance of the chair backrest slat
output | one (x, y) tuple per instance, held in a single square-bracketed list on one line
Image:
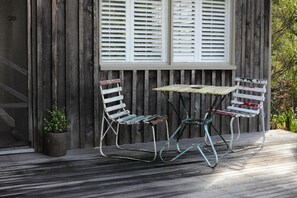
[(254, 89), (245, 110), (109, 82), (113, 99), (115, 107), (251, 80), (119, 114), (248, 96), (246, 104), (112, 90)]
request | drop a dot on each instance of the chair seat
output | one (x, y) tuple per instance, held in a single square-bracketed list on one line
[(130, 119), (158, 120), (235, 114)]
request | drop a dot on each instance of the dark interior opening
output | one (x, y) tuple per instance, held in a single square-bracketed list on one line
[(13, 74)]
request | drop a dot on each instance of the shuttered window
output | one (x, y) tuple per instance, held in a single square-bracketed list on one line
[(149, 31), (200, 30), (114, 30), (164, 31), (185, 34), (133, 31), (215, 31)]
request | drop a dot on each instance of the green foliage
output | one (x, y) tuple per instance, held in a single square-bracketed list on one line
[(278, 121), (293, 125), (284, 64), (287, 121), (56, 122)]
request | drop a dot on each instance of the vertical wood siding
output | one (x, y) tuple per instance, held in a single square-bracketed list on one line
[(252, 51), (65, 71)]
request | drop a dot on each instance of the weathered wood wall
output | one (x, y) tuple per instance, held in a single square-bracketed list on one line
[(65, 70), (252, 46)]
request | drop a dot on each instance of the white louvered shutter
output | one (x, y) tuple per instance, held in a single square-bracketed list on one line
[(133, 31), (215, 28), (149, 31), (200, 30), (184, 30), (137, 30), (113, 31)]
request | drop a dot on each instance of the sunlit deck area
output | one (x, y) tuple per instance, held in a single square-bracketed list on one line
[(270, 172)]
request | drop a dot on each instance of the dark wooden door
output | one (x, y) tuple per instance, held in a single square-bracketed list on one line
[(13, 74)]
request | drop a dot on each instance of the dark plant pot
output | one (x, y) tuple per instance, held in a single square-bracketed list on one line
[(55, 144)]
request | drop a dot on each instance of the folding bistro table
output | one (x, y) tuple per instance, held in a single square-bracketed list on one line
[(220, 93)]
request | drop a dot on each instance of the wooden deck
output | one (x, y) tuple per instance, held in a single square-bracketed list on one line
[(270, 172)]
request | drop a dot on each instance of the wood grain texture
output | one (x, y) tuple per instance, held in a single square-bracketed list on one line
[(253, 46), (66, 37), (270, 172), (43, 66), (30, 47), (72, 72)]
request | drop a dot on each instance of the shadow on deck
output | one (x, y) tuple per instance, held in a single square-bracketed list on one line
[(270, 172)]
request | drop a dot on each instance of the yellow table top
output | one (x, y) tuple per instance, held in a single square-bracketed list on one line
[(200, 89)]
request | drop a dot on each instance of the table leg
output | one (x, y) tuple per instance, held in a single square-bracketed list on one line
[(214, 164), (210, 114), (188, 121), (168, 143), (206, 158)]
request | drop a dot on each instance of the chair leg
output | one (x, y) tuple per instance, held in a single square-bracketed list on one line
[(263, 125), (117, 135), (232, 134), (263, 128), (142, 150), (167, 133), (155, 146), (136, 150), (103, 133), (102, 136), (238, 129), (231, 131)]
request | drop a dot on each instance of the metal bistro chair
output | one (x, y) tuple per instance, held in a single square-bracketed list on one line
[(247, 102), (115, 113)]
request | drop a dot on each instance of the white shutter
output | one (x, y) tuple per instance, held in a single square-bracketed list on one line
[(113, 31), (149, 31), (200, 30), (137, 30), (184, 30), (214, 44), (133, 31)]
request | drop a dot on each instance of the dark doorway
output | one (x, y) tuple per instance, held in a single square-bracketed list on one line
[(13, 74)]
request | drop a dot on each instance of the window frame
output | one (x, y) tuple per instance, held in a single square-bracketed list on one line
[(169, 65)]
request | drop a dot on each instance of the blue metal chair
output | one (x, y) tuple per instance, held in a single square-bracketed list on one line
[(115, 113)]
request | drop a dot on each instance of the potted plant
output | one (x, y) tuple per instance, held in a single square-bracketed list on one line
[(55, 134)]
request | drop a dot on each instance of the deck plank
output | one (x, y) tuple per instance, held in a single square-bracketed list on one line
[(269, 172)]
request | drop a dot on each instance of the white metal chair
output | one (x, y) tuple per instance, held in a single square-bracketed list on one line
[(115, 113), (247, 102)]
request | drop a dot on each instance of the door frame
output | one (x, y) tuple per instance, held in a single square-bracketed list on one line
[(30, 74)]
